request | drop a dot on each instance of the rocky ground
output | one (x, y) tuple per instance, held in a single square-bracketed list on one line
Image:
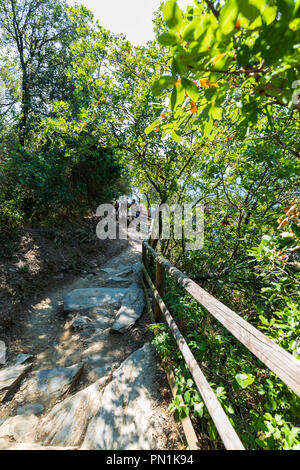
[(84, 374)]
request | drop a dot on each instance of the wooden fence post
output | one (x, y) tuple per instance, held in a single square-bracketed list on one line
[(144, 256), (159, 284)]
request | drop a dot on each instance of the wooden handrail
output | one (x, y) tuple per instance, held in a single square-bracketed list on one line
[(279, 361), (186, 422), (218, 415)]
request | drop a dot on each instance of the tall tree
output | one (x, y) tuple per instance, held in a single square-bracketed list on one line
[(36, 35)]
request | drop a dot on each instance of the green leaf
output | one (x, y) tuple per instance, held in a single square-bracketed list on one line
[(184, 411), (207, 128), (176, 415), (176, 137), (190, 88), (261, 443), (269, 14), (228, 16), (260, 4), (189, 31), (251, 12), (244, 380), (161, 84), (187, 397), (167, 39), (152, 126), (263, 320), (177, 96), (213, 433), (172, 14), (216, 112), (243, 55), (199, 409)]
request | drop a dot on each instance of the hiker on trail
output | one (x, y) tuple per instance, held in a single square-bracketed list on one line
[(138, 210), (128, 210), (135, 209), (117, 207)]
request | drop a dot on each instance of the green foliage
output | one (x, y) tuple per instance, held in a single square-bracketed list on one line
[(10, 219), (163, 340), (179, 409), (240, 56), (259, 406), (67, 181), (36, 36), (55, 166)]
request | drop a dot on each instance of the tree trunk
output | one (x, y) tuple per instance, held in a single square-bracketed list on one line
[(25, 109)]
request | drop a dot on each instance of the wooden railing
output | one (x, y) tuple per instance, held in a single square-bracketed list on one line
[(283, 364)]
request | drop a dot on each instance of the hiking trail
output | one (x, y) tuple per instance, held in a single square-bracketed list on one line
[(98, 383)]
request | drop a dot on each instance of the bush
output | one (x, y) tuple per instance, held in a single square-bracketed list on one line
[(56, 183)]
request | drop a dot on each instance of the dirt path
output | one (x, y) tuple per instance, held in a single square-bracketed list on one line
[(89, 357)]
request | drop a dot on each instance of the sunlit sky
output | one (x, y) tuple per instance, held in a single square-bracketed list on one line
[(131, 17)]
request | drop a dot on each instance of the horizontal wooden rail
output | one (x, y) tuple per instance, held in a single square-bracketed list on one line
[(187, 426), (282, 363), (218, 415)]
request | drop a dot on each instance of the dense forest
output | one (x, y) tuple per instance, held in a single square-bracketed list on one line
[(208, 113)]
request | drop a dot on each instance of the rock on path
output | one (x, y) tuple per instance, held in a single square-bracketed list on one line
[(80, 299), (10, 377), (126, 419), (20, 428), (6, 444), (66, 423), (132, 307), (49, 384)]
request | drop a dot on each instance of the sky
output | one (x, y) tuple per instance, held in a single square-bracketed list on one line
[(131, 17)]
